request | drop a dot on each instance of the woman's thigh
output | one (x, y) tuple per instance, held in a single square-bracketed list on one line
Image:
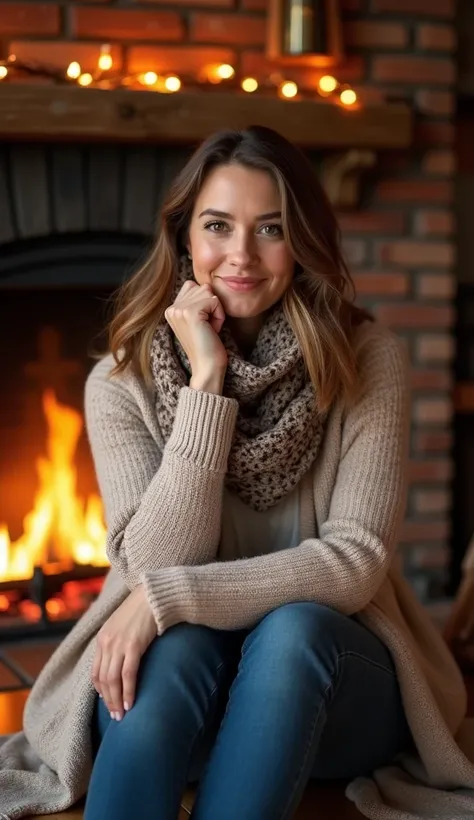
[(182, 686), (365, 725)]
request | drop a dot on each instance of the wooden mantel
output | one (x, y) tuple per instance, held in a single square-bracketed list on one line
[(37, 112)]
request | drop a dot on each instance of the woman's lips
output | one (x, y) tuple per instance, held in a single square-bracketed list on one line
[(242, 284)]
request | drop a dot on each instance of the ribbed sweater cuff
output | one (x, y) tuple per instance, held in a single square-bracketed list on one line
[(203, 428), (168, 592)]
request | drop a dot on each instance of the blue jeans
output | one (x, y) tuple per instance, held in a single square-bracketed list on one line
[(252, 715)]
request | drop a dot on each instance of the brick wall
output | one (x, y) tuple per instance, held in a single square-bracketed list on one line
[(399, 245)]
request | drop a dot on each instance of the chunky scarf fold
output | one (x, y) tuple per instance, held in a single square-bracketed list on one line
[(279, 427)]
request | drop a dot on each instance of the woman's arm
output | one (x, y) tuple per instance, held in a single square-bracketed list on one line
[(345, 566), (162, 508)]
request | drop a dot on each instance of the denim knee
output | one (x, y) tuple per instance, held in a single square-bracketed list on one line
[(303, 623)]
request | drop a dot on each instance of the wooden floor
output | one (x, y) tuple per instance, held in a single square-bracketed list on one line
[(324, 801)]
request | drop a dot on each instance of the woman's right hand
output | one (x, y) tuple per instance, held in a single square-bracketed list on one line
[(196, 317)]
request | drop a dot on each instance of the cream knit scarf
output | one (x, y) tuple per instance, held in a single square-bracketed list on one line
[(279, 428)]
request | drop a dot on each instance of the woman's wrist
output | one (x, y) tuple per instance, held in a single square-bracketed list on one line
[(213, 383)]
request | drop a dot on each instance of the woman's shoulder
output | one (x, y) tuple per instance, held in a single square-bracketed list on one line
[(125, 389), (378, 349)]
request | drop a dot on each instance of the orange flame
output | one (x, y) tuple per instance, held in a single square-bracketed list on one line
[(60, 529)]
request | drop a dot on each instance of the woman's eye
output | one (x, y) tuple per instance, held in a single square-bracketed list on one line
[(272, 230), (216, 227)]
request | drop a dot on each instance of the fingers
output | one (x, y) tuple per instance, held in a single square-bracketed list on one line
[(115, 685), (129, 677), (107, 674)]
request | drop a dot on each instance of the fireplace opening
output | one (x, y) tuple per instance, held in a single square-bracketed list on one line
[(54, 306)]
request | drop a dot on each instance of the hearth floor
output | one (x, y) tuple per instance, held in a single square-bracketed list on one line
[(22, 661)]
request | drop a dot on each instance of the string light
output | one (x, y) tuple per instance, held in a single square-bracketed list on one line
[(73, 70), (327, 84), (149, 78), (85, 79), (348, 96), (172, 83), (225, 71), (249, 84), (105, 62), (288, 89)]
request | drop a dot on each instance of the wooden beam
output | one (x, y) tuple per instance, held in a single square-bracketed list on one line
[(34, 112)]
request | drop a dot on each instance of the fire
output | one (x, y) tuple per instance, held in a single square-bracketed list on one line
[(61, 529)]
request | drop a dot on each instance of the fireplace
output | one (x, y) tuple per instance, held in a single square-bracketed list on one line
[(77, 221)]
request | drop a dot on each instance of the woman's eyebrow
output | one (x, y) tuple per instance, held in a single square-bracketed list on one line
[(225, 215)]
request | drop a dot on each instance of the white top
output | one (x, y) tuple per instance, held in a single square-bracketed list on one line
[(246, 532)]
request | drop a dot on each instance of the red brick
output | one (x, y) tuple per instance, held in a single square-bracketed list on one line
[(430, 8), (436, 103), (362, 34), (253, 5), (436, 38), (418, 70), (381, 284), (434, 223), (433, 134), (430, 471), (228, 28), (415, 315), (435, 347), (430, 556), (416, 254), (415, 531), (440, 163), (255, 63), (371, 221), (224, 4), (186, 60), (60, 54), (126, 24), (429, 134), (22, 19), (412, 190), (433, 441), (436, 285), (431, 501), (431, 379), (355, 251), (433, 411)]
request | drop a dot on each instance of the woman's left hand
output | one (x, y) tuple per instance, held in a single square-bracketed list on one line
[(121, 643)]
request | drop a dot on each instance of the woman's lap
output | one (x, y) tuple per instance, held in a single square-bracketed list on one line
[(360, 717)]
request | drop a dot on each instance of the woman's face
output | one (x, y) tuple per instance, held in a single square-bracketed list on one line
[(236, 240)]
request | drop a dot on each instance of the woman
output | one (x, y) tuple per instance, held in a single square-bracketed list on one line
[(249, 432)]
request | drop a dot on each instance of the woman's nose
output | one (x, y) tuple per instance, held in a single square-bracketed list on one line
[(242, 251)]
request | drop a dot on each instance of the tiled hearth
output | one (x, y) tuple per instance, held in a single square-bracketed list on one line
[(21, 662)]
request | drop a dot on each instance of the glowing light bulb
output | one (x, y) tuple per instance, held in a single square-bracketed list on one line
[(288, 89), (149, 78), (249, 84), (85, 79), (327, 84), (3, 72), (105, 60), (348, 96), (172, 83), (73, 70), (225, 71)]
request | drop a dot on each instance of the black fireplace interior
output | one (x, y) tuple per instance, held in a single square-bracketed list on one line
[(55, 301)]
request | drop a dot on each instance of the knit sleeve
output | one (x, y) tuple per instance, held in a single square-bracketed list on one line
[(163, 508), (346, 565)]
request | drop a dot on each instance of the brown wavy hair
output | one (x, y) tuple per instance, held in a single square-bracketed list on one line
[(319, 303)]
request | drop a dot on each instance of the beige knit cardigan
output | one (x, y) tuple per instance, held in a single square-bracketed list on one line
[(163, 507)]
